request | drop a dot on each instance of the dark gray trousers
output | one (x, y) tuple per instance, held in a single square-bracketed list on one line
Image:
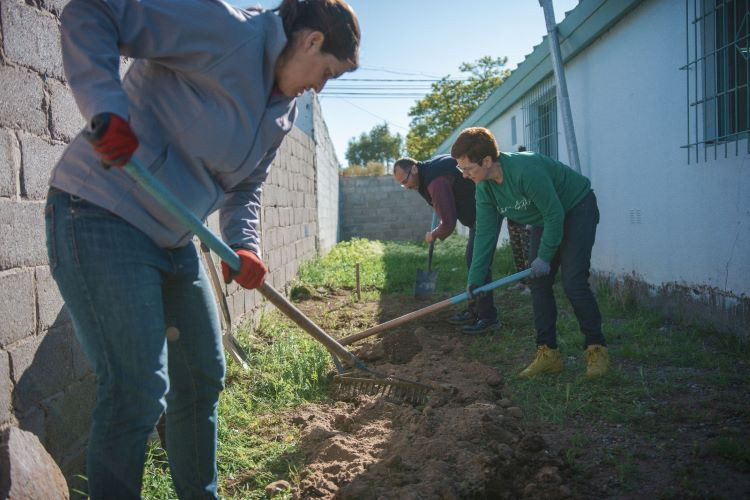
[(573, 258), (484, 306)]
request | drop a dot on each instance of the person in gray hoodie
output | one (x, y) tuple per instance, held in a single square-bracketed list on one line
[(205, 104)]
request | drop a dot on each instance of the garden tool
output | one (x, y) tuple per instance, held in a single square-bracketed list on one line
[(427, 280), (360, 378), (431, 309), (230, 343)]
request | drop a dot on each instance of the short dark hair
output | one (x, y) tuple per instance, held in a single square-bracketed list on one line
[(334, 18), (404, 163), (475, 143)]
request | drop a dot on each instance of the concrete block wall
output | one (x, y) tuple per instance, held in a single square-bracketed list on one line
[(289, 224), (379, 208), (46, 385), (327, 183)]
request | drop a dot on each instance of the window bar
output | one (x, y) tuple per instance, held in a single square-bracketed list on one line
[(687, 75), (727, 96), (736, 91), (695, 87)]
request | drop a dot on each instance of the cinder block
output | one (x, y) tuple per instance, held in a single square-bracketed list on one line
[(10, 162), (66, 119), (21, 98), (41, 367), (69, 416), (54, 6), (31, 38), (16, 306), (39, 157), (52, 311), (5, 388), (22, 248)]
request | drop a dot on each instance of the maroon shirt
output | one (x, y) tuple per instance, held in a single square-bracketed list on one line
[(441, 191)]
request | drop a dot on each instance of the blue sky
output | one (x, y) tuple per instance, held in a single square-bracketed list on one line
[(424, 39)]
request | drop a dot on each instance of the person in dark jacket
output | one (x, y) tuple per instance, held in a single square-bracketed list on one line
[(205, 105), (440, 182)]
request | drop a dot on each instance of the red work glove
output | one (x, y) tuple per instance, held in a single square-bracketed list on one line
[(117, 143), (252, 270)]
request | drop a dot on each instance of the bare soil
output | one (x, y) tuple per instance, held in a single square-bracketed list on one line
[(472, 441)]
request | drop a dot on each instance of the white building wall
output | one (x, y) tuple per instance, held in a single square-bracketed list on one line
[(662, 219)]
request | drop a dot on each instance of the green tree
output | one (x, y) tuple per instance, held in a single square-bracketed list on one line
[(450, 102), (377, 145)]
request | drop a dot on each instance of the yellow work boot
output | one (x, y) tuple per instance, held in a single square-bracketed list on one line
[(546, 361), (597, 360)]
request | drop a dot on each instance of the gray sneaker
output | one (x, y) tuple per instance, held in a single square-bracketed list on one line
[(482, 326), (462, 318)]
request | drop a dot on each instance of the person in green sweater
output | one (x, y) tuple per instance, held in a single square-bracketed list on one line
[(561, 208)]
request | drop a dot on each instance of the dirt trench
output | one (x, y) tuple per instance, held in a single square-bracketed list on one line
[(468, 441)]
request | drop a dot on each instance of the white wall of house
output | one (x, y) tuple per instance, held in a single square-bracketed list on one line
[(663, 219)]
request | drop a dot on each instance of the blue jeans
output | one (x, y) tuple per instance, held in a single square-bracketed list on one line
[(122, 292)]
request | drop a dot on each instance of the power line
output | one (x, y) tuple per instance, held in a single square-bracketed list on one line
[(396, 72), (375, 115)]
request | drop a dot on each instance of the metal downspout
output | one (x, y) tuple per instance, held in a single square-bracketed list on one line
[(562, 87)]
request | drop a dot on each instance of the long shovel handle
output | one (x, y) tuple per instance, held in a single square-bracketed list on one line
[(175, 207), (432, 243), (431, 309)]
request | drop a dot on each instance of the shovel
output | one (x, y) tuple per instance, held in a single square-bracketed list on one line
[(427, 280)]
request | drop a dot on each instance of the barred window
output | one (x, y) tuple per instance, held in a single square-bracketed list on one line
[(718, 49), (540, 119)]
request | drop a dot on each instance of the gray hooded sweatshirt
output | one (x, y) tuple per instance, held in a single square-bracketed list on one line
[(199, 98)]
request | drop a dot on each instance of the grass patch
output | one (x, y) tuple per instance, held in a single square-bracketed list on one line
[(391, 267)]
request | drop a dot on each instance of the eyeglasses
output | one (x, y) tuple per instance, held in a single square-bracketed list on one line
[(406, 179)]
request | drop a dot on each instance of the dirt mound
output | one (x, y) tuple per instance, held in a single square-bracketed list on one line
[(468, 441)]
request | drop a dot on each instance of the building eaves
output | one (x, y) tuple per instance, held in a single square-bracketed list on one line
[(579, 29)]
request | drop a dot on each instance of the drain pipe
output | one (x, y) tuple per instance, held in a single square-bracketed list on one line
[(562, 87)]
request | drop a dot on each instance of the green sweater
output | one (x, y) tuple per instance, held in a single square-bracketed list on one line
[(535, 190)]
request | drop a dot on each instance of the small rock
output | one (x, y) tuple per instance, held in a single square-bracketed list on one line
[(534, 443), (420, 330), (277, 487), (529, 489), (514, 411), (26, 469), (505, 403), (548, 476)]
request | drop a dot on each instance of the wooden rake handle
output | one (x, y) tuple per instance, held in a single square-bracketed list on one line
[(431, 309), (175, 207)]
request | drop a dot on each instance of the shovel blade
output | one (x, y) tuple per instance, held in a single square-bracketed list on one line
[(425, 285)]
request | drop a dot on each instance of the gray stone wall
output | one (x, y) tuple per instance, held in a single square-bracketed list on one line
[(327, 183), (46, 385), (378, 208)]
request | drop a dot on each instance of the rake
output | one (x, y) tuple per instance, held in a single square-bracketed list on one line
[(359, 379)]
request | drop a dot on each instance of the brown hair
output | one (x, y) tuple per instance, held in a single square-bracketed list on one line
[(475, 143), (334, 18)]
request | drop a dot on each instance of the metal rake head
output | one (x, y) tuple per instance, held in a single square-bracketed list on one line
[(389, 387)]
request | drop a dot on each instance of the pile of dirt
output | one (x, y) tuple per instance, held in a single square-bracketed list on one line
[(468, 441)]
